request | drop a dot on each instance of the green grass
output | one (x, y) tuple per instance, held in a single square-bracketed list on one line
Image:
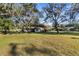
[(40, 44)]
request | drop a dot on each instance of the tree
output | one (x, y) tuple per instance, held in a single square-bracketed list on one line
[(72, 13), (53, 11), (6, 25), (6, 12), (30, 13), (25, 14)]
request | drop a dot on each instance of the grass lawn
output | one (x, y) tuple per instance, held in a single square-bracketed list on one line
[(40, 44)]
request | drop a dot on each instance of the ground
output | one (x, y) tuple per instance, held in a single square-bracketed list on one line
[(39, 44)]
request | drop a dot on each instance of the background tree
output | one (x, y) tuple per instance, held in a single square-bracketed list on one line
[(53, 11), (5, 15), (72, 14), (31, 15)]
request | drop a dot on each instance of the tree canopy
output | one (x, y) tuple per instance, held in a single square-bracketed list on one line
[(23, 15)]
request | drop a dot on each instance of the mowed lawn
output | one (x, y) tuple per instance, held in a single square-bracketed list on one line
[(40, 44)]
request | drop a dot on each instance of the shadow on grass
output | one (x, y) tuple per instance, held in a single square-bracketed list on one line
[(54, 33), (39, 51), (74, 38), (50, 33), (13, 49), (32, 50)]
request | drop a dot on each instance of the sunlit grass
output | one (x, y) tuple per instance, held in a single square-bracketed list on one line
[(53, 44)]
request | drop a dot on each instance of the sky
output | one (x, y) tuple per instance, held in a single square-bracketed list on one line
[(41, 5)]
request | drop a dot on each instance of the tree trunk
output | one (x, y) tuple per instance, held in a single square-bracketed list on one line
[(57, 29), (56, 26), (6, 30)]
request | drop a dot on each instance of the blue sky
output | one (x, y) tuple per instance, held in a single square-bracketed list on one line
[(41, 5)]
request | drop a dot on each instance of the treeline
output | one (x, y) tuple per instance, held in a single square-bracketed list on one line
[(28, 15)]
